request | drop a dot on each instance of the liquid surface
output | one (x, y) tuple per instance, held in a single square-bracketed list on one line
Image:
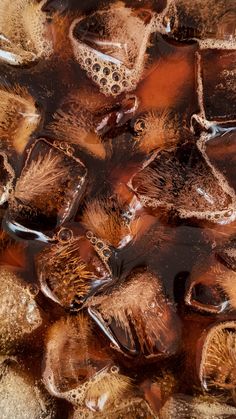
[(118, 209)]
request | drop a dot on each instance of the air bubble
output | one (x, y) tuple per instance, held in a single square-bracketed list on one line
[(89, 235), (96, 67), (115, 88), (107, 253), (116, 76), (114, 369), (106, 71), (23, 29), (103, 81), (65, 235), (88, 61), (122, 56), (139, 125)]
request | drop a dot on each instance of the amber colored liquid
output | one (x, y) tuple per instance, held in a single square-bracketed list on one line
[(169, 84)]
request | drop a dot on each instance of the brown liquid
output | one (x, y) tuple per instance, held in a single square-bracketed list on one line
[(122, 214)]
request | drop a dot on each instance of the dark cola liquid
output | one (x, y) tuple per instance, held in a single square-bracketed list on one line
[(118, 208)]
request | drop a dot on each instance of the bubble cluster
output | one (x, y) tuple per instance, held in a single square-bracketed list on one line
[(117, 164), (102, 249), (216, 360), (141, 311)]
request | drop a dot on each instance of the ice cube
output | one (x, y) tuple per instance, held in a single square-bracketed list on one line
[(49, 189), (158, 388), (227, 254), (214, 19), (110, 45), (23, 36), (18, 118), (138, 318), (211, 287), (156, 131), (70, 272), (183, 180), (74, 123), (221, 151), (106, 219), (79, 367)]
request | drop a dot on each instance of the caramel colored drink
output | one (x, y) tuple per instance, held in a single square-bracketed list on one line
[(118, 209)]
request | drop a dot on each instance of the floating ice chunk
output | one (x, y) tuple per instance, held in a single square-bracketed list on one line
[(23, 37), (21, 397), (19, 314), (115, 60)]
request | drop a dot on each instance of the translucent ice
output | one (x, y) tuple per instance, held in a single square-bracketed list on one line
[(111, 45), (19, 313), (23, 32), (20, 396)]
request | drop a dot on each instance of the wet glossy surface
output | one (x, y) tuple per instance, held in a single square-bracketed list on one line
[(118, 208)]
